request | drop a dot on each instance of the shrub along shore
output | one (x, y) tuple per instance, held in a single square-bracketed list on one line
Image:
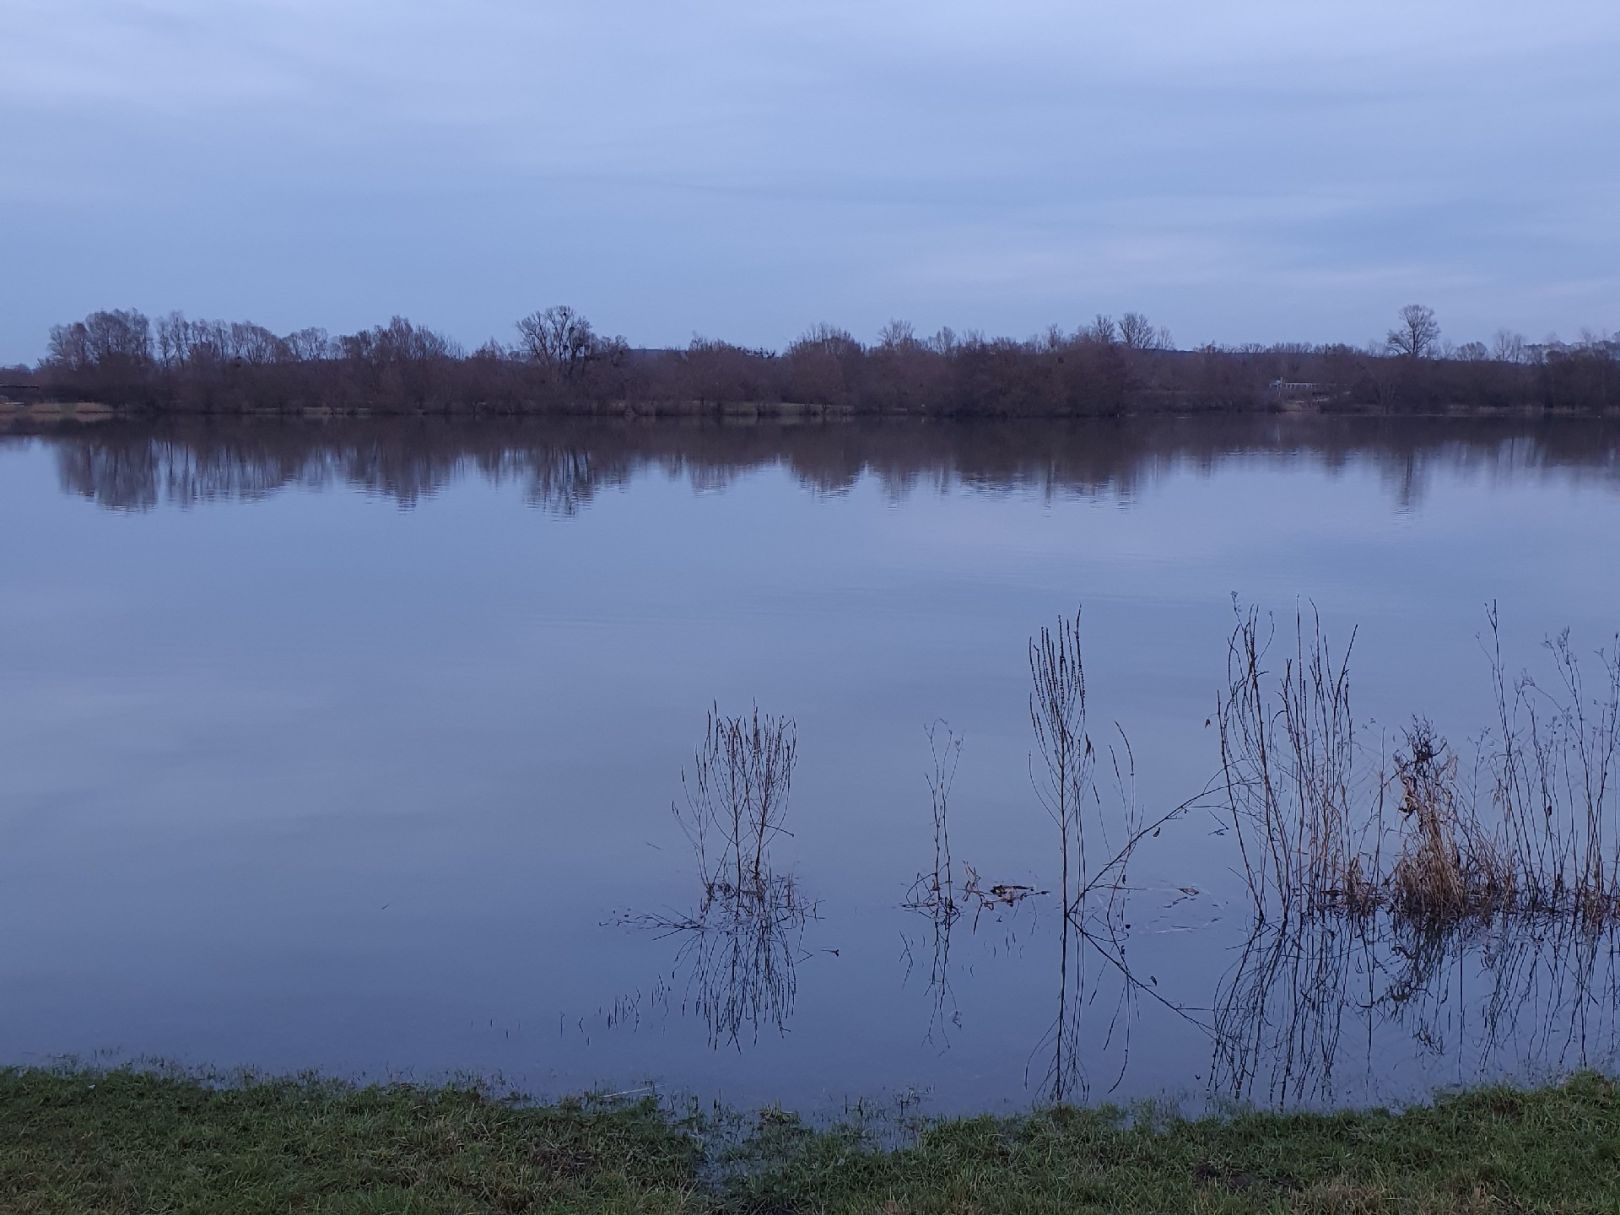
[(559, 362), (123, 1141)]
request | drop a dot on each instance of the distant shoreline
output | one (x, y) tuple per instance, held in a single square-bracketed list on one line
[(16, 415), (561, 364)]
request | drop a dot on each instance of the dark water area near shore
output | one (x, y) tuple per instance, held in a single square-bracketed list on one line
[(352, 745)]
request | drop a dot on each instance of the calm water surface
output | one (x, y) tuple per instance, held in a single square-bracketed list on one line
[(353, 747)]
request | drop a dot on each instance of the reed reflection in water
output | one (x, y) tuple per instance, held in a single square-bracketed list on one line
[(1318, 997)]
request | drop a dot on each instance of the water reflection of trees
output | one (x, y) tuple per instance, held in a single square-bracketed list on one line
[(1309, 997), (561, 464)]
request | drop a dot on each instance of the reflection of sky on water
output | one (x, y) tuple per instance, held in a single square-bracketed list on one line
[(298, 778)]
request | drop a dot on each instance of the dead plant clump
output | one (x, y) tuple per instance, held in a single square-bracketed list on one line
[(1447, 866), (1361, 893), (1532, 832)]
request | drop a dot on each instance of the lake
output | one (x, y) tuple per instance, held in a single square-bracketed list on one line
[(353, 746)]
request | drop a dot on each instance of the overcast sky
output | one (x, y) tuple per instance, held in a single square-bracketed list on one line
[(1244, 170)]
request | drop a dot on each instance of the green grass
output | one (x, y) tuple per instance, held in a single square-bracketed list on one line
[(132, 1142)]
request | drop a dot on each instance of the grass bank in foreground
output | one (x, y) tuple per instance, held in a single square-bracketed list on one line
[(128, 1142)]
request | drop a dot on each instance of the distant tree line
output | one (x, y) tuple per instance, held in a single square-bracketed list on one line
[(559, 362)]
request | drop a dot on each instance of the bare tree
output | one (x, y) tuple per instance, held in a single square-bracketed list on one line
[(1415, 337), (255, 345), (559, 339), (307, 345), (118, 338), (1136, 332), (70, 347), (1507, 346), (824, 365), (897, 335), (1102, 331)]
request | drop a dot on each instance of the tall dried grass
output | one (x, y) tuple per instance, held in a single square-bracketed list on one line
[(1532, 831)]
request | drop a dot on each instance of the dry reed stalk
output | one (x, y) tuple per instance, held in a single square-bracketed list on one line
[(737, 799), (1288, 760)]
